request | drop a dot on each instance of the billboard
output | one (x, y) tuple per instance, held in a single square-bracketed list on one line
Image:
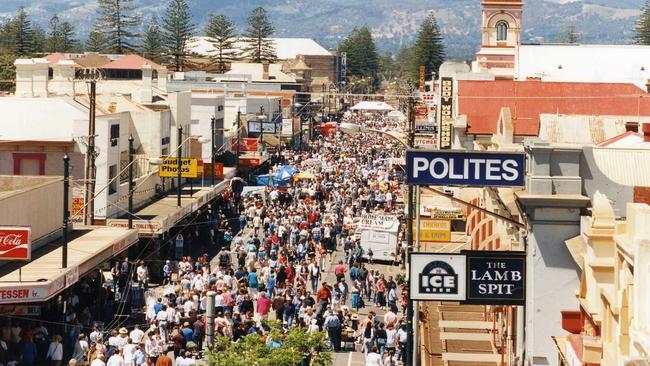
[(438, 277), (432, 231), (245, 144), (446, 112), (254, 127), (15, 243), (471, 277), (465, 168), (496, 277), (169, 168)]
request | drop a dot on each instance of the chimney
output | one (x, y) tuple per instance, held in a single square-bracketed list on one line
[(646, 132), (40, 77), (63, 78), (146, 94), (647, 86), (24, 78), (162, 79), (265, 70)]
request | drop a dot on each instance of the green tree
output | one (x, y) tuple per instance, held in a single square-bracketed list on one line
[(7, 71), (296, 344), (70, 43), (259, 44), (221, 33), (23, 34), (362, 58), (153, 46), (95, 42), (7, 36), (177, 30), (428, 50), (55, 38), (642, 30), (115, 24), (39, 39)]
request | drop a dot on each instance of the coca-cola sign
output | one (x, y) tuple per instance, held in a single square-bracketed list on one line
[(15, 243)]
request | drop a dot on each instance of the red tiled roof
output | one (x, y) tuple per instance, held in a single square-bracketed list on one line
[(55, 57), (481, 102), (130, 62)]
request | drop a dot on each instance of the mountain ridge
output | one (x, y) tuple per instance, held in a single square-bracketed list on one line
[(393, 23)]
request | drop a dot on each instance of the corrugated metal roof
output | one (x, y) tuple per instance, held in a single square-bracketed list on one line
[(628, 167)]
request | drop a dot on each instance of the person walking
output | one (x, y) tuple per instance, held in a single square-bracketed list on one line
[(55, 351)]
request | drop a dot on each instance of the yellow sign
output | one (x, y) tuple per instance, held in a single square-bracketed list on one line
[(433, 230), (169, 168), (199, 167)]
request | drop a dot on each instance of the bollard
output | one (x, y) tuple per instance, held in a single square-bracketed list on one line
[(210, 316)]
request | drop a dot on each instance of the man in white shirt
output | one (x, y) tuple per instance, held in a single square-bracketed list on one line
[(142, 274), (161, 317), (128, 351), (116, 359), (99, 361), (136, 334)]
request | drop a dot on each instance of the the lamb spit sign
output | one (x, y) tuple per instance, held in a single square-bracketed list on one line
[(15, 243)]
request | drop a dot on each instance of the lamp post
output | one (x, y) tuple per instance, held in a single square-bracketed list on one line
[(66, 213), (130, 213), (178, 167), (410, 352), (212, 150), (238, 141)]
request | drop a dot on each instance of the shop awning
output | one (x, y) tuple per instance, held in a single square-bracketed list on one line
[(43, 277), (271, 140), (165, 214)]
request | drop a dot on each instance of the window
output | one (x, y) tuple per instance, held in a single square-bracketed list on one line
[(115, 134), (219, 108), (502, 31), (112, 173)]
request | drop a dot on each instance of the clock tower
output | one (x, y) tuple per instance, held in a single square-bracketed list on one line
[(501, 36)]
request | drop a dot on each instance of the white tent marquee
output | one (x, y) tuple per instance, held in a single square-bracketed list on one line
[(372, 106)]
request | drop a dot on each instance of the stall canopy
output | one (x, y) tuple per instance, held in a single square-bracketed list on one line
[(372, 106), (283, 176)]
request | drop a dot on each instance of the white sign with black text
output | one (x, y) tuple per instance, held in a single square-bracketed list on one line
[(438, 276)]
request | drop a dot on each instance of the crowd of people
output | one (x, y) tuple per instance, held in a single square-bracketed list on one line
[(292, 256)]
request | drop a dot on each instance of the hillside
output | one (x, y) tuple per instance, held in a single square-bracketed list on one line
[(393, 22)]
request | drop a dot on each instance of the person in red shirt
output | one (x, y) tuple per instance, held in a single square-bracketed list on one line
[(323, 296), (339, 271)]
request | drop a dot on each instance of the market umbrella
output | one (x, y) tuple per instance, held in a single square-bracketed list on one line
[(304, 175), (284, 173)]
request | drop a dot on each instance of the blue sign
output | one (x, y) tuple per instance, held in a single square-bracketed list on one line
[(465, 168)]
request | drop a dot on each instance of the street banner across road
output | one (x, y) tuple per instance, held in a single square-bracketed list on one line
[(465, 168)]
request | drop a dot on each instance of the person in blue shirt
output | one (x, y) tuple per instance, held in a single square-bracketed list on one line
[(188, 333), (157, 306), (29, 352), (270, 284), (252, 282)]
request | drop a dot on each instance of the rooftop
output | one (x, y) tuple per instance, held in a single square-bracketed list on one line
[(481, 101), (575, 62), (285, 48)]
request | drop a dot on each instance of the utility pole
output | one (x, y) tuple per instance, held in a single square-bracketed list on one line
[(178, 167), (66, 213), (130, 213), (238, 141), (261, 119), (89, 196), (212, 150), (410, 354)]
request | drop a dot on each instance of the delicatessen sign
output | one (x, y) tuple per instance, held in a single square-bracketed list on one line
[(471, 277)]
